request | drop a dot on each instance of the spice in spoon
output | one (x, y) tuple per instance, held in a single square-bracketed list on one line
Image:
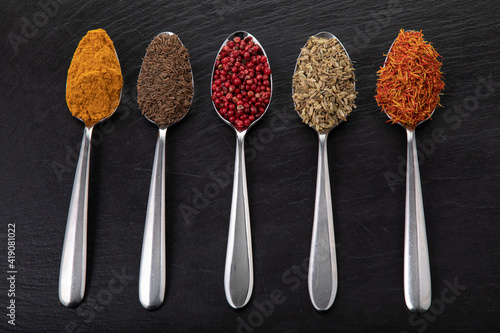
[(323, 83), (241, 84), (94, 78), (411, 80), (165, 84)]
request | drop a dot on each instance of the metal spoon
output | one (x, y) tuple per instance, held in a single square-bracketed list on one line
[(74, 255), (238, 276), (322, 275), (152, 274), (417, 272)]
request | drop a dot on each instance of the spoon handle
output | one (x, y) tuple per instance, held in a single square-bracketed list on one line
[(152, 275), (322, 280), (417, 275), (238, 275), (74, 254)]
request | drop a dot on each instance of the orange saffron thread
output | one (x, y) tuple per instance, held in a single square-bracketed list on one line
[(410, 82)]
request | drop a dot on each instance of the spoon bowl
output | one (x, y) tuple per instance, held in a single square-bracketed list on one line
[(169, 33), (152, 273), (242, 34), (238, 276), (326, 35), (322, 274), (388, 115), (73, 267)]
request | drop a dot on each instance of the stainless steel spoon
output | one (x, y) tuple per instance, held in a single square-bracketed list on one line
[(417, 272), (238, 276), (152, 274), (322, 275), (74, 255)]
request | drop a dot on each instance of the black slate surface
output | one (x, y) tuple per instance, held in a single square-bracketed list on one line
[(460, 168)]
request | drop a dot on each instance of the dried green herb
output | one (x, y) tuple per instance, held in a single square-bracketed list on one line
[(323, 84), (165, 86)]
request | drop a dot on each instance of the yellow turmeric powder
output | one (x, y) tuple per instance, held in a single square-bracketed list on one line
[(95, 79)]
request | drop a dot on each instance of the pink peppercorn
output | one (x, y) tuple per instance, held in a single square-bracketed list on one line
[(241, 87)]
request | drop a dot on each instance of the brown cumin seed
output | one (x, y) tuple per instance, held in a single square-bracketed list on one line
[(165, 86)]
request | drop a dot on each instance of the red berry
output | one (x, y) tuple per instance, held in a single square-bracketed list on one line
[(241, 86)]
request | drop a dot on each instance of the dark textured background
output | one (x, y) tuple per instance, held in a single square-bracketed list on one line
[(460, 168)]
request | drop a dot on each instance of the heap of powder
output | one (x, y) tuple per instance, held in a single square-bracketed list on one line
[(323, 84), (94, 78), (164, 86)]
